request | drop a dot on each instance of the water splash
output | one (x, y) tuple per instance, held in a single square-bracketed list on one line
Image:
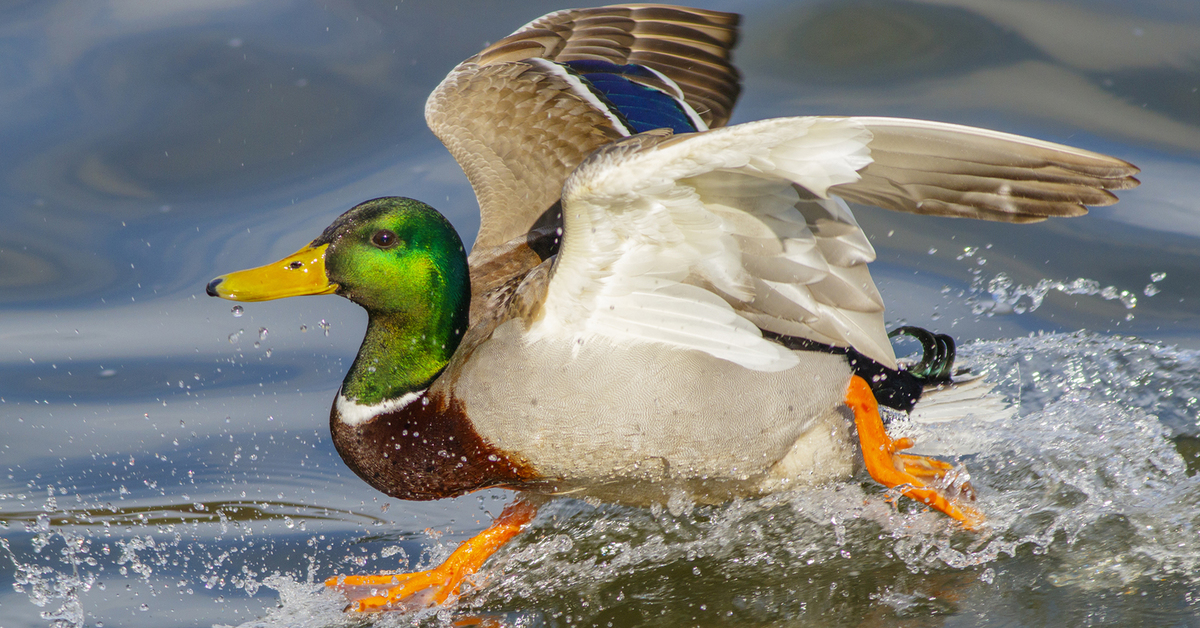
[(1004, 296), (59, 554), (48, 587)]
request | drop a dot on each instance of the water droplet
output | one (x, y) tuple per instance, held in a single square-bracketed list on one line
[(262, 333), (303, 328), (324, 327), (932, 250), (1151, 290), (1157, 277), (237, 311)]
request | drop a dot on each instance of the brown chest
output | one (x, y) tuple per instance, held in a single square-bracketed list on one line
[(425, 450)]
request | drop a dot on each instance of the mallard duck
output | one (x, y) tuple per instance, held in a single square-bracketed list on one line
[(655, 304)]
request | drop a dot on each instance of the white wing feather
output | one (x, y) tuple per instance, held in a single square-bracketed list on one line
[(702, 241), (699, 241)]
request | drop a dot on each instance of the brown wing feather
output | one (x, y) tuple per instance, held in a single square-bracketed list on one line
[(518, 131)]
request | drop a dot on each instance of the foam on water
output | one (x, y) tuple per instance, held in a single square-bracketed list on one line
[(1084, 487)]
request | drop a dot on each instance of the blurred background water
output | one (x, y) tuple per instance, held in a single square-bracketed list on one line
[(166, 462)]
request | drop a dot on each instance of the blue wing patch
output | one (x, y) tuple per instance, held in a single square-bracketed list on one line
[(623, 87)]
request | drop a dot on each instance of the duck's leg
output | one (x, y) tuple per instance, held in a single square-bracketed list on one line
[(426, 588), (913, 474)]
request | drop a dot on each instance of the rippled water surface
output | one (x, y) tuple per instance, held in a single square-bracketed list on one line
[(165, 461)]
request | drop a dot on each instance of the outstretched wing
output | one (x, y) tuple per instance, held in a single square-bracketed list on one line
[(523, 113), (944, 169), (703, 240)]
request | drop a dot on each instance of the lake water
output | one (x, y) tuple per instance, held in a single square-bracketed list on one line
[(165, 462)]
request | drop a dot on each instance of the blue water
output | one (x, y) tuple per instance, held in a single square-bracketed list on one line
[(164, 462)]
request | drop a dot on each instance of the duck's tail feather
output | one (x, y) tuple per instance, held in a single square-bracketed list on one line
[(899, 389), (966, 396), (902, 389), (937, 354), (947, 393)]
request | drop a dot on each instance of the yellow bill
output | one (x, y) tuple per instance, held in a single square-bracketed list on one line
[(300, 273)]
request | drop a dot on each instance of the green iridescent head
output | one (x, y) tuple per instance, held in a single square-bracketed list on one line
[(400, 260), (396, 256)]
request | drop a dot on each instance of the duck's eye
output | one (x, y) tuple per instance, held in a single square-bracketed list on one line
[(384, 239)]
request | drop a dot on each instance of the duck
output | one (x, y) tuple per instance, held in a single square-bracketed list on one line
[(657, 303)]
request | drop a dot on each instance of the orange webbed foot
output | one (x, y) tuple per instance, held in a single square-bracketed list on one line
[(917, 477), (412, 591)]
